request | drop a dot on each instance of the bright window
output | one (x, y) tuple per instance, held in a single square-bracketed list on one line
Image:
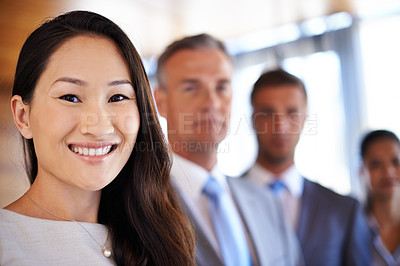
[(380, 47), (321, 153)]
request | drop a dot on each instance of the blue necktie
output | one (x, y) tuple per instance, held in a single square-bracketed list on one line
[(227, 225), (277, 187)]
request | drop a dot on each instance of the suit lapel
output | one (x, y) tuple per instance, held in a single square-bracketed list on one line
[(308, 221), (205, 253), (256, 219), (304, 210)]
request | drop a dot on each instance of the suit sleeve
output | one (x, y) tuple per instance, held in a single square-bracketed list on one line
[(359, 242)]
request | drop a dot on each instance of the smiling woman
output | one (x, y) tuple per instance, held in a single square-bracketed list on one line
[(82, 102), (84, 113)]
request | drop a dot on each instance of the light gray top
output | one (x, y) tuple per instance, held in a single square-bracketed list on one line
[(26, 240)]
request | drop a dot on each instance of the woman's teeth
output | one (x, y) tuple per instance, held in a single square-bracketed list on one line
[(92, 151)]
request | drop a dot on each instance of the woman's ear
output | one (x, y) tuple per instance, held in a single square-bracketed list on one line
[(20, 112)]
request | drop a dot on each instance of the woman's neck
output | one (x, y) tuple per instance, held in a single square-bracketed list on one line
[(387, 214), (387, 211), (58, 203)]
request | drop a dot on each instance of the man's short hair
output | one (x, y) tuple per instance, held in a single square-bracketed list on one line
[(277, 77), (201, 41)]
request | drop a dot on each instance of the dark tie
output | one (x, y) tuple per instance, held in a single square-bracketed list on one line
[(227, 225)]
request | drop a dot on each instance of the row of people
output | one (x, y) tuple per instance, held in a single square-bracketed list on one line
[(103, 189), (194, 95)]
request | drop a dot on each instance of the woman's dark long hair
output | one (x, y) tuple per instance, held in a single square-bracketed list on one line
[(139, 207)]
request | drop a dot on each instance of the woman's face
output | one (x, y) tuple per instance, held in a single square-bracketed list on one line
[(382, 166), (83, 117)]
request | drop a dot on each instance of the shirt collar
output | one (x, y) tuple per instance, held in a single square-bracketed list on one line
[(373, 223), (191, 177), (290, 177)]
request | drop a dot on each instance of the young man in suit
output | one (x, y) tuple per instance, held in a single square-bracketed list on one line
[(194, 94), (330, 227)]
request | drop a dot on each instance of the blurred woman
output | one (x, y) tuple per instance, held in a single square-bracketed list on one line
[(95, 154), (380, 151)]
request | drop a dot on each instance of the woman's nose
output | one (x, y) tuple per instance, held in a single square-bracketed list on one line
[(97, 121)]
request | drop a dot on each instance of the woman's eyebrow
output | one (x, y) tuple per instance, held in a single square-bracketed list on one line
[(80, 82), (71, 80), (120, 82)]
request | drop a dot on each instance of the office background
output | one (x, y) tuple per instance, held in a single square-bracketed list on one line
[(347, 52)]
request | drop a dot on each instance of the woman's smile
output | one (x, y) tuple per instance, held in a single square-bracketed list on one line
[(91, 151)]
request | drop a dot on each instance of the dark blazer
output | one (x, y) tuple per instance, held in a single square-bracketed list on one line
[(332, 229), (274, 242)]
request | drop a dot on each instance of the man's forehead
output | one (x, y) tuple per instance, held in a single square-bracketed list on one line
[(198, 69), (192, 58), (281, 94)]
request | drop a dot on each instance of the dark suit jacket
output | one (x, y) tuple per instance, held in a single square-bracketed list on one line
[(332, 229), (274, 242)]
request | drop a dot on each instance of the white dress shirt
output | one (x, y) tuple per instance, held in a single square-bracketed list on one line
[(190, 179), (290, 198)]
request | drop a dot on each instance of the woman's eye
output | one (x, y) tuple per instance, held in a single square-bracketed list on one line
[(117, 98), (70, 98), (375, 164)]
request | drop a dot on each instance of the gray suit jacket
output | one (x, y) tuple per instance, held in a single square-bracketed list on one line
[(274, 242), (332, 229)]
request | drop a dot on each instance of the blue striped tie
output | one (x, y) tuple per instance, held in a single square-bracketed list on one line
[(227, 225)]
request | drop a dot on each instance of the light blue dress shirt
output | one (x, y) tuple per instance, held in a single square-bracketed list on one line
[(380, 255)]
